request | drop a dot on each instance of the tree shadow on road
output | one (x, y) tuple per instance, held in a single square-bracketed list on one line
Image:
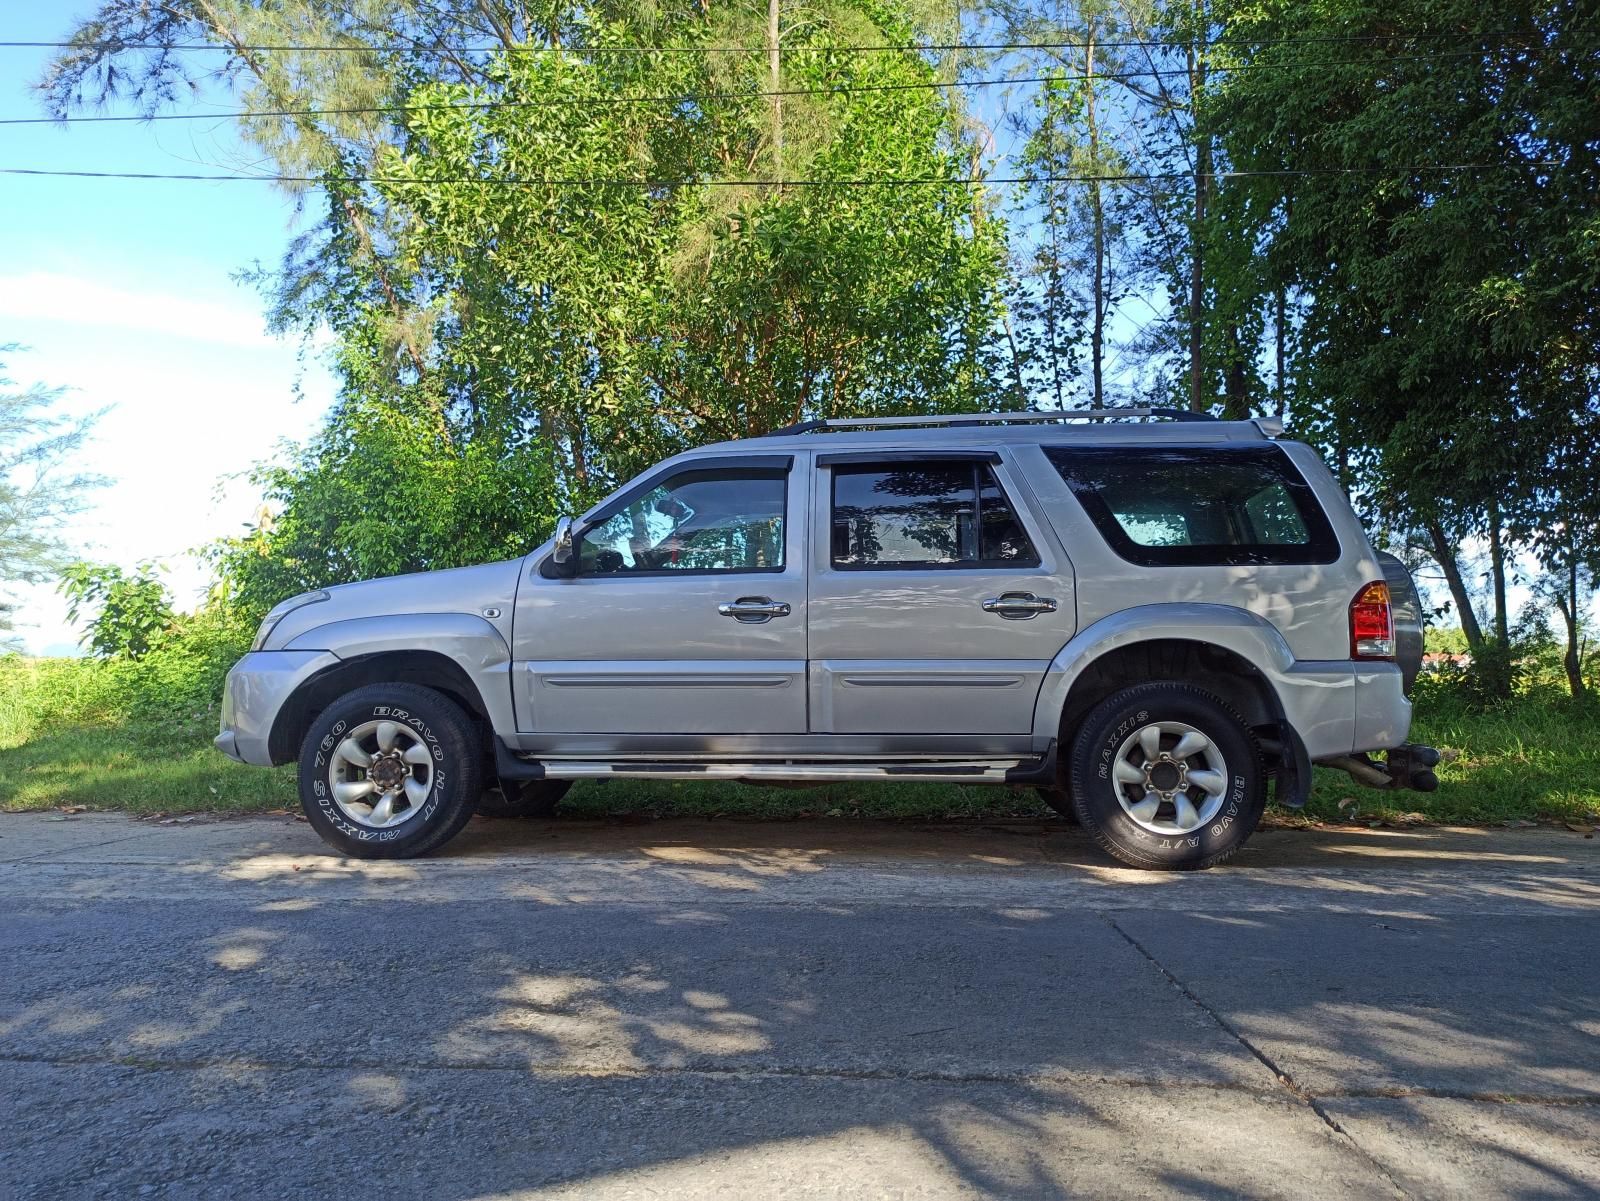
[(312, 1042)]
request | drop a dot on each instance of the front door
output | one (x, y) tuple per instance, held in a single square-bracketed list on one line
[(687, 612), (936, 602)]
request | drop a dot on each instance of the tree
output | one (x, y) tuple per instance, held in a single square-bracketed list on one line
[(127, 613), (381, 490), (1432, 201), (39, 490), (578, 330)]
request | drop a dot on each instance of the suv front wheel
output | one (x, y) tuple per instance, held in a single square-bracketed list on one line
[(390, 771), (1167, 776)]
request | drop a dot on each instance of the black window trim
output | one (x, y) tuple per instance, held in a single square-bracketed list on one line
[(848, 458), (1321, 547), (977, 460), (704, 464)]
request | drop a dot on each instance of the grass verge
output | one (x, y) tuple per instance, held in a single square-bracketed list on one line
[(1534, 760)]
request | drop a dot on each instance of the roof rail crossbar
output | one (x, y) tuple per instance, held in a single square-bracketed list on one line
[(960, 419)]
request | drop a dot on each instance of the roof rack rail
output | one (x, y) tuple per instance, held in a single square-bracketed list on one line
[(960, 419)]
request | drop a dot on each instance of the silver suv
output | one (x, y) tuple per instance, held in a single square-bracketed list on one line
[(1146, 615)]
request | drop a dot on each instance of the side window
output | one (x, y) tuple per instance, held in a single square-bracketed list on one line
[(1199, 506), (1274, 520), (925, 513), (697, 520)]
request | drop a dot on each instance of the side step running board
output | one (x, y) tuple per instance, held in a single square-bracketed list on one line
[(1038, 771), (977, 771)]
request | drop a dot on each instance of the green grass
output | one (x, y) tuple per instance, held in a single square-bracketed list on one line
[(1536, 758), (137, 768), (65, 741)]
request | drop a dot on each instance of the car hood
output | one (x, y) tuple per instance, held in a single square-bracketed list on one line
[(487, 591)]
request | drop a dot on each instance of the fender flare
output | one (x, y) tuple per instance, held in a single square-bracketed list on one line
[(1233, 629), (469, 641)]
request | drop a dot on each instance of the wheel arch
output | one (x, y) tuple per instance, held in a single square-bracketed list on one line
[(1224, 649), (431, 669), (1195, 661)]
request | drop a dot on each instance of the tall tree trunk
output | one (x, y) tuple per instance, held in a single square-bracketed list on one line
[(773, 74), (1054, 212), (1097, 335), (1202, 186), (1444, 552), (1497, 573), (1280, 364), (1236, 382), (1567, 603)]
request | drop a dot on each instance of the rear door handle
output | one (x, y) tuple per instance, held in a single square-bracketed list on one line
[(1019, 606), (754, 609)]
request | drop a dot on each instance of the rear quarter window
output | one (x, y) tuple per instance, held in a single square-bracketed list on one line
[(1187, 506)]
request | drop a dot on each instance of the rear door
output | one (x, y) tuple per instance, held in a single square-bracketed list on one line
[(936, 599), (687, 614)]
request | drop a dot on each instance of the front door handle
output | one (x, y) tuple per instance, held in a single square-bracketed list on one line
[(1019, 606), (754, 609)]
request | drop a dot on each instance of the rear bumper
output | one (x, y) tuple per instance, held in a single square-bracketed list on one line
[(1383, 711), (256, 690), (1340, 706)]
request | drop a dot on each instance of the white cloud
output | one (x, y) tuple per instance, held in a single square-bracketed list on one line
[(49, 296), (192, 392)]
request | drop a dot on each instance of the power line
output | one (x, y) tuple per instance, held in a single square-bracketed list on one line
[(550, 102), (688, 97), (114, 45), (655, 184)]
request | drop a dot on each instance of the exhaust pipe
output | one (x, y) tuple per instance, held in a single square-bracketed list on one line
[(1409, 766)]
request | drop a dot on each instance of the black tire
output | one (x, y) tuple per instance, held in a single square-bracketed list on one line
[(1094, 790), (523, 798), (454, 775)]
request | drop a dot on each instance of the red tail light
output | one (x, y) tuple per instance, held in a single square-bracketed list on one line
[(1371, 623)]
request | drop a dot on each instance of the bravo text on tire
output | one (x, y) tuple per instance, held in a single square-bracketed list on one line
[(390, 771)]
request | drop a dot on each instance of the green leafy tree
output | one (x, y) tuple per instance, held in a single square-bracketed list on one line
[(1433, 204), (630, 321), (555, 338), (128, 613), (382, 490)]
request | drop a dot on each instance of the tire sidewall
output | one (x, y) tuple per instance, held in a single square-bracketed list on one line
[(436, 722), (1110, 724)]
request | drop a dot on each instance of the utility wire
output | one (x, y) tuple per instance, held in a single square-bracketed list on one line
[(689, 97), (548, 102), (934, 181), (114, 45)]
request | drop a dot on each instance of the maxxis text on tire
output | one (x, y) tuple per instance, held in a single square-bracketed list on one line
[(1159, 723), (423, 772)]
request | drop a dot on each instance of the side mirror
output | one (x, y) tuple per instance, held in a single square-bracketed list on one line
[(563, 546)]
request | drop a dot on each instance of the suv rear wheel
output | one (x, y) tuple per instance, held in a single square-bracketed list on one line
[(390, 771), (1167, 776)]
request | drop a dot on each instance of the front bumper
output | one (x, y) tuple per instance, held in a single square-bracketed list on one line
[(256, 690)]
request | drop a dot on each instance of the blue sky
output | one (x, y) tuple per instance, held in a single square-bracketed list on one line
[(120, 291)]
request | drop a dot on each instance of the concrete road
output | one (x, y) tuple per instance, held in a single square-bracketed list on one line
[(691, 1009)]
